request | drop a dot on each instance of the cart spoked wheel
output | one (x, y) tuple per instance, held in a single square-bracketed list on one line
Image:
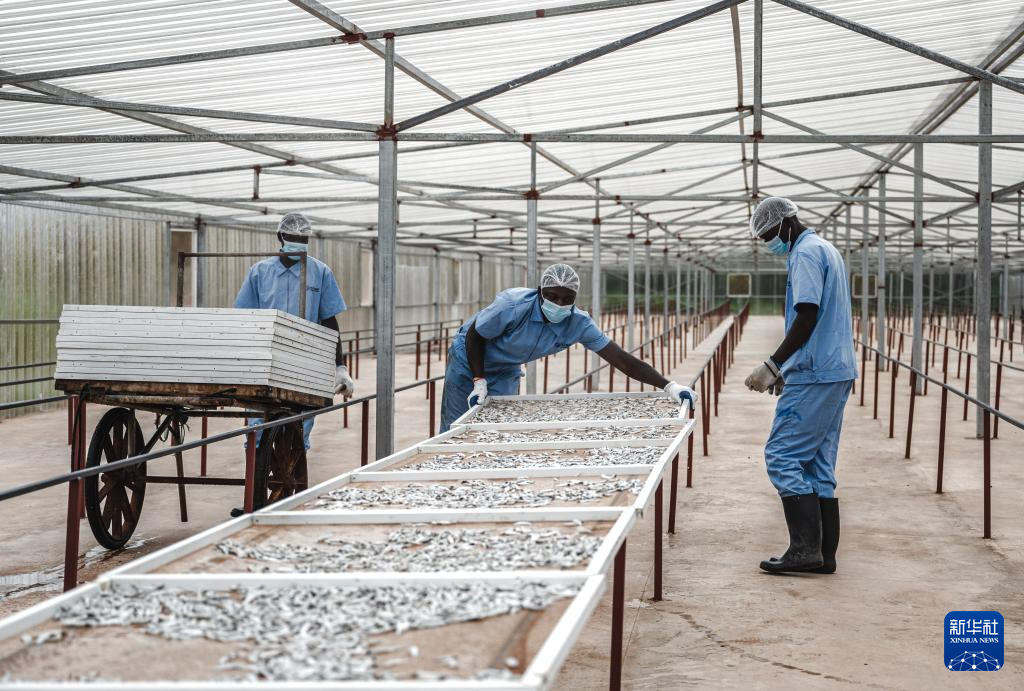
[(113, 501), (280, 465)]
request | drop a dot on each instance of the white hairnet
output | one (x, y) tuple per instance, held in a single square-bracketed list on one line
[(560, 276), (769, 214), (294, 223)]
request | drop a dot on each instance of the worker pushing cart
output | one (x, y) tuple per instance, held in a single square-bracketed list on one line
[(274, 284), (526, 324)]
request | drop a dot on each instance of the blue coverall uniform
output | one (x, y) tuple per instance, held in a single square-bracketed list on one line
[(271, 285), (801, 450), (516, 333)]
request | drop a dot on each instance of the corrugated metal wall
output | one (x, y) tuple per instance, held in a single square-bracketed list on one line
[(51, 257)]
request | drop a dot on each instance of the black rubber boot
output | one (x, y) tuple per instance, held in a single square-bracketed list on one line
[(803, 518), (829, 534)]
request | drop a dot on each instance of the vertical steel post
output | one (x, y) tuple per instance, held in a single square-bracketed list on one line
[(931, 289), (647, 283), (387, 221), (595, 274), (917, 346), (1005, 309), (532, 275), (757, 95), (881, 343), (846, 250), (679, 291), (983, 290), (689, 291), (865, 316), (437, 292), (200, 263), (631, 289), (664, 289)]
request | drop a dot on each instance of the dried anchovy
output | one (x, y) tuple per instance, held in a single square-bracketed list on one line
[(412, 548), (305, 633), (473, 494), (479, 460), (510, 436), (577, 409)]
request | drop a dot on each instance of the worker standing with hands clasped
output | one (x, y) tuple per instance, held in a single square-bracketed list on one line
[(812, 372), (525, 324)]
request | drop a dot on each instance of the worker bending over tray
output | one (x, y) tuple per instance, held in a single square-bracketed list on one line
[(526, 324)]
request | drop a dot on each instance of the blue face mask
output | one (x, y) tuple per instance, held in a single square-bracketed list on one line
[(294, 247), (555, 313), (777, 246)]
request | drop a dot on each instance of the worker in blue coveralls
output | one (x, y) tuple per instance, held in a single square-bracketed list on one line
[(812, 372), (274, 284), (525, 324)]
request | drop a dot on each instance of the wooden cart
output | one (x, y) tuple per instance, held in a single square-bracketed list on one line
[(113, 501)]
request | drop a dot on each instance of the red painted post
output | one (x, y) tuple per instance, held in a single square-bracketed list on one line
[(568, 352), (344, 416), (71, 537), (618, 606), (611, 380), (942, 433), (999, 388), (874, 407), (705, 411), (716, 369), (910, 416), (433, 394), (418, 344), (364, 444), (658, 541), (863, 372), (82, 451), (987, 472), (689, 453), (892, 398), (204, 430), (250, 471), (357, 353), (545, 374), (71, 418), (967, 384), (673, 495)]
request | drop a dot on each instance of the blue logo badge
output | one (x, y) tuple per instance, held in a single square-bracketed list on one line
[(974, 641)]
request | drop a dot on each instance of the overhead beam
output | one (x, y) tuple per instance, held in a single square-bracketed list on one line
[(907, 46), (566, 64)]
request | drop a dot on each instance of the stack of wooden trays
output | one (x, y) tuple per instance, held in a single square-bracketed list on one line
[(185, 345)]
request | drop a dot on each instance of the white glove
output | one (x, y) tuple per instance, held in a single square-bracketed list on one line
[(776, 387), (681, 394), (343, 383), (763, 376), (479, 395)]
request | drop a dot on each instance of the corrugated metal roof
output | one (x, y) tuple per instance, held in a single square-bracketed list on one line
[(689, 69)]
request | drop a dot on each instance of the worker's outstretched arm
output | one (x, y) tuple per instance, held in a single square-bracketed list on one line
[(799, 332), (631, 366), (476, 346)]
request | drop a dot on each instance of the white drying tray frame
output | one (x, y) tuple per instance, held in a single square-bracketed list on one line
[(539, 675), (372, 472), (472, 413), (542, 670), (621, 518)]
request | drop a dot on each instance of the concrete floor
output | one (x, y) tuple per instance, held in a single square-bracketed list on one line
[(907, 556)]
